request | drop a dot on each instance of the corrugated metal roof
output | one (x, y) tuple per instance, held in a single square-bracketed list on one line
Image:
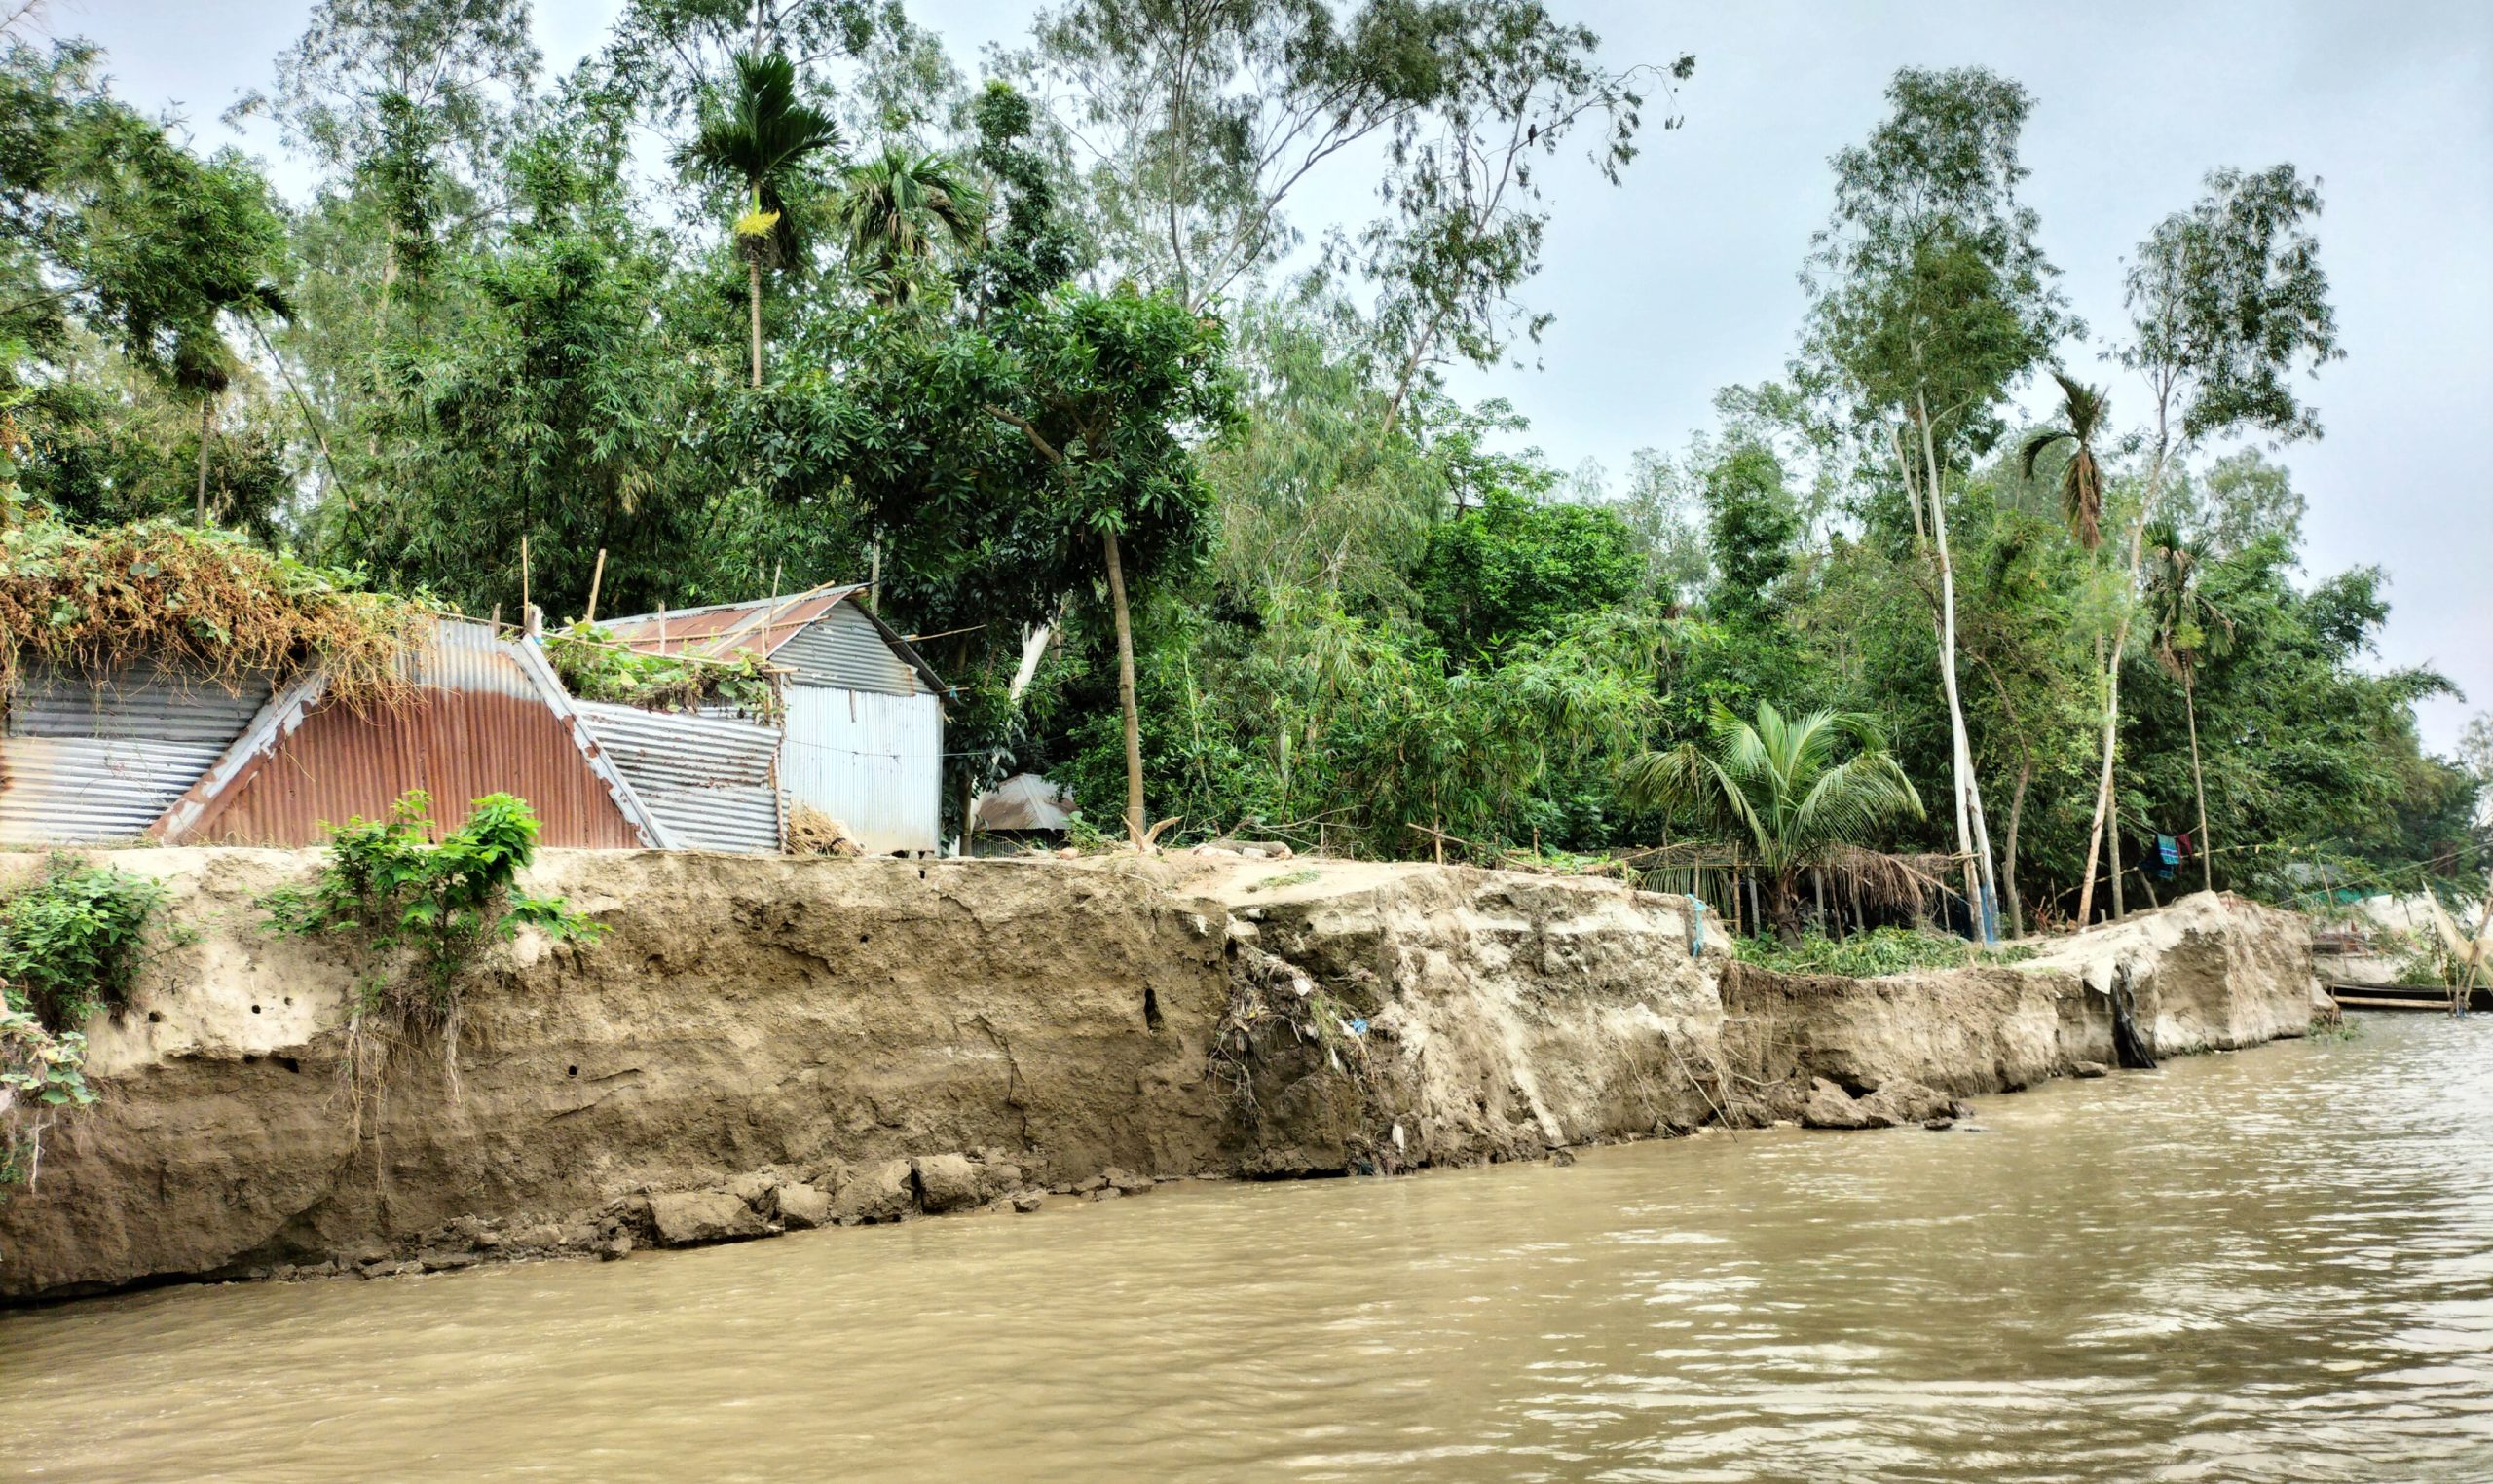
[(712, 782), (489, 716), (723, 630), (844, 648), (88, 758), (790, 632)]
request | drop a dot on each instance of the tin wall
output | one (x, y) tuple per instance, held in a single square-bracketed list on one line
[(711, 781)]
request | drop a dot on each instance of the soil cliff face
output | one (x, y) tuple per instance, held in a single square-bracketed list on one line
[(1503, 1015), (758, 1044), (811, 1017), (2206, 973)]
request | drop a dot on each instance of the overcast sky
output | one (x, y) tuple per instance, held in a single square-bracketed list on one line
[(1683, 279)]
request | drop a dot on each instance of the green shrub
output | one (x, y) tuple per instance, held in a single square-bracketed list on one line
[(595, 666), (70, 945), (423, 911)]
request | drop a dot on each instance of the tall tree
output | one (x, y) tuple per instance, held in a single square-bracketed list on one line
[(2188, 627), (760, 141), (1931, 298), (892, 207), (2227, 302), (2084, 417)]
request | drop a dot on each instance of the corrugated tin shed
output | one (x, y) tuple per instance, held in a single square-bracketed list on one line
[(86, 759), (488, 716), (825, 636), (862, 739), (712, 782)]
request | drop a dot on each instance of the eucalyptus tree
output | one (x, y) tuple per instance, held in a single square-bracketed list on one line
[(1790, 790), (2189, 628), (761, 140), (409, 105), (890, 211), (1931, 299), (1196, 121), (2227, 303)]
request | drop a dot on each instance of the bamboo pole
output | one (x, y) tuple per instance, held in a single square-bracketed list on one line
[(596, 580)]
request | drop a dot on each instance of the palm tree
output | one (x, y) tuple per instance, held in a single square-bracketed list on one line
[(2085, 410), (890, 208), (759, 142), (1778, 786), (2189, 627)]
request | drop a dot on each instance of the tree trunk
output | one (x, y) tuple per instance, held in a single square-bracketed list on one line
[(1135, 822), (2198, 782), (2113, 839), (753, 306), (2107, 822), (2098, 834), (1969, 789), (205, 406), (2008, 857)]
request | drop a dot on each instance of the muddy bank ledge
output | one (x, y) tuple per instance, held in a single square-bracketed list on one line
[(761, 1043)]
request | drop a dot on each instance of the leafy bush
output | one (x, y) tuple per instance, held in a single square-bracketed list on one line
[(1868, 955), (423, 911), (595, 666), (70, 945), (40, 1074)]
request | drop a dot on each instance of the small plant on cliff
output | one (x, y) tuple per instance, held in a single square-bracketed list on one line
[(69, 947), (40, 1074), (71, 942), (421, 912)]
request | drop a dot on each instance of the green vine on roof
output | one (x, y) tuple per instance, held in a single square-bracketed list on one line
[(91, 599), (596, 666)]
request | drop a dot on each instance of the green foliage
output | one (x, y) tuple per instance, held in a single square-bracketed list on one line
[(41, 1073), (760, 137), (421, 912), (1778, 788), (71, 942), (1517, 569), (1869, 955), (596, 667), (2228, 300)]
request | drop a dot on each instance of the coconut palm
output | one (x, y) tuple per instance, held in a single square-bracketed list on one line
[(891, 207), (760, 141), (1780, 789), (2189, 628), (2085, 411)]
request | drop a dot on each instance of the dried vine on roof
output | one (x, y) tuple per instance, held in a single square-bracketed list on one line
[(206, 601)]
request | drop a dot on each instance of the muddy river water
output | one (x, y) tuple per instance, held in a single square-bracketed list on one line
[(2275, 1265)]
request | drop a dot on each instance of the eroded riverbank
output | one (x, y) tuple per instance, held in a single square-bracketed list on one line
[(2156, 1276), (757, 1045)]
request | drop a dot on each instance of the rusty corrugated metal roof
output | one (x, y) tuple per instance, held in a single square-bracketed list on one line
[(761, 628), (723, 630), (488, 716)]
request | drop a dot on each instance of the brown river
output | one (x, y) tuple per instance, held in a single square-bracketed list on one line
[(2275, 1265)]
